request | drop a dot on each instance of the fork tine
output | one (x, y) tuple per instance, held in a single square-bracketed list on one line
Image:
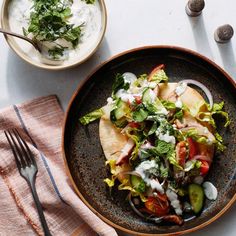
[(18, 149), (31, 156), (9, 139), (27, 153)]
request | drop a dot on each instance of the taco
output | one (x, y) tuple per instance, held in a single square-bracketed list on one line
[(159, 139)]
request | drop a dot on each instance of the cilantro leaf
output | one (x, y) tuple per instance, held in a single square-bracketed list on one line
[(49, 22), (153, 129), (163, 147), (141, 187), (119, 84), (56, 52), (73, 35), (144, 154), (90, 1), (179, 114)]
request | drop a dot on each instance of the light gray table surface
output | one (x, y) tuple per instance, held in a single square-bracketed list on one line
[(131, 23)]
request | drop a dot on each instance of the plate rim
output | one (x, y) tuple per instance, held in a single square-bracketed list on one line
[(97, 68)]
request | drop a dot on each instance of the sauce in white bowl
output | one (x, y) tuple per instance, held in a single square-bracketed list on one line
[(90, 17)]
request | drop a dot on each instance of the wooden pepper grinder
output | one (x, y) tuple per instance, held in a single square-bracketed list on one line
[(194, 7), (224, 33)]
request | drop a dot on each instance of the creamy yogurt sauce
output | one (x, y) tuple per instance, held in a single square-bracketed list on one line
[(179, 103), (167, 138), (174, 201), (143, 170), (88, 15), (180, 89)]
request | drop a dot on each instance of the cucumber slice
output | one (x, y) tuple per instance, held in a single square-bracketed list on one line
[(120, 111), (137, 183), (152, 102), (121, 123), (149, 96), (140, 115), (196, 196)]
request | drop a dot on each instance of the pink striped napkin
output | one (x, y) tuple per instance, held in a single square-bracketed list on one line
[(40, 122)]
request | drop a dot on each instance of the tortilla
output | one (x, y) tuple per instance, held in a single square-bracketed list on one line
[(112, 140)]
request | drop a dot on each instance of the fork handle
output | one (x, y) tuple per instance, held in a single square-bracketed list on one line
[(39, 208)]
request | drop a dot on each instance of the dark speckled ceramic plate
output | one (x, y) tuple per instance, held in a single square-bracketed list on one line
[(84, 156)]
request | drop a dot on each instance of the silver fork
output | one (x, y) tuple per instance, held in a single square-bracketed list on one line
[(28, 169)]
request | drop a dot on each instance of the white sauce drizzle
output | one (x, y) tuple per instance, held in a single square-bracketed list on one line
[(129, 77), (174, 201), (143, 170), (167, 138), (126, 96), (180, 89), (152, 95), (179, 103), (110, 100)]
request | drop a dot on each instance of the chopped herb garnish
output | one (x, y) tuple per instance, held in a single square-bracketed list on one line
[(56, 52), (49, 22), (89, 1)]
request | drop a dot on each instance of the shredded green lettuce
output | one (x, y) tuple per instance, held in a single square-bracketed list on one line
[(203, 113), (206, 117), (219, 142), (217, 107), (164, 172), (171, 156), (156, 107), (125, 185), (110, 182), (114, 173), (92, 116), (139, 82), (217, 110), (168, 105), (223, 114), (193, 133), (160, 76), (137, 140)]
